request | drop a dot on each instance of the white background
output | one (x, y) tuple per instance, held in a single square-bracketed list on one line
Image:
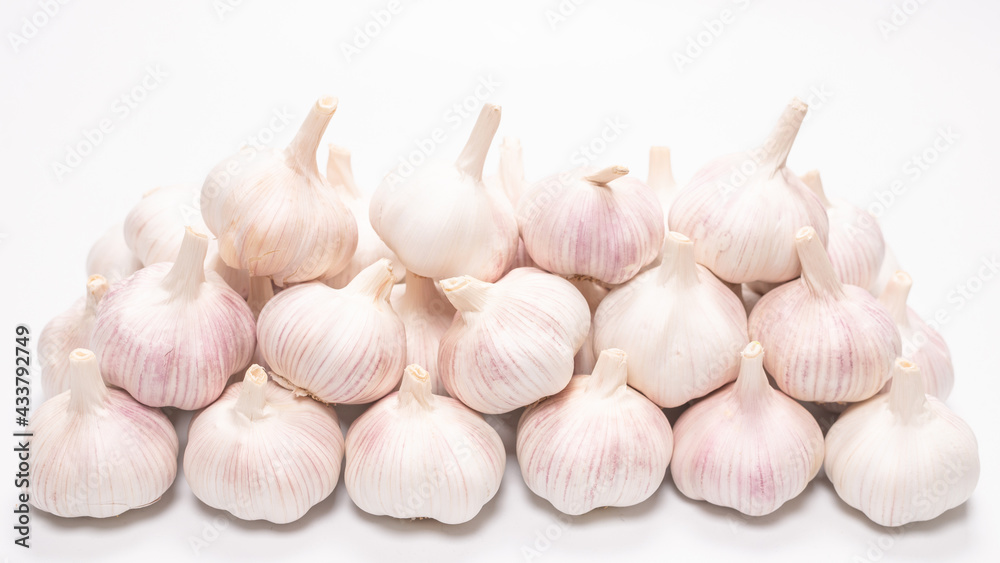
[(877, 100)]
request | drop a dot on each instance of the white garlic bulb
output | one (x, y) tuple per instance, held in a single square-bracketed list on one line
[(742, 210), (417, 455), (826, 341), (922, 344), (262, 453), (172, 333), (661, 178), (66, 332), (510, 180), (96, 451), (596, 443), (904, 456), (748, 446), (337, 345), (442, 220), (426, 315), (586, 358), (682, 328), (513, 341), (111, 257), (593, 223), (273, 212), (890, 265)]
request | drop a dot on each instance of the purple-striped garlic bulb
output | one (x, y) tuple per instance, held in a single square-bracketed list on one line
[(742, 210), (661, 179), (513, 341), (337, 345), (111, 257), (66, 332), (415, 454), (826, 341), (747, 446), (682, 328), (171, 334), (594, 293), (262, 453), (426, 315), (592, 223), (596, 443), (96, 451)]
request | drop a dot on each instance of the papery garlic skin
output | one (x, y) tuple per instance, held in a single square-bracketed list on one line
[(414, 454), (96, 451), (66, 332), (172, 333), (344, 346), (261, 453), (596, 443), (442, 220), (904, 456), (742, 210), (747, 446), (111, 257), (681, 327), (426, 315), (513, 342), (586, 358)]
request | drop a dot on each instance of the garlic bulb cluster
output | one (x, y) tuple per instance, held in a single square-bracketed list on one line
[(96, 451), (596, 443), (594, 293), (826, 341), (111, 257), (414, 454), (904, 456), (172, 333), (426, 316), (273, 212), (66, 332), (337, 345), (442, 220), (742, 210), (513, 341), (262, 453), (661, 178), (748, 446), (593, 223), (682, 328)]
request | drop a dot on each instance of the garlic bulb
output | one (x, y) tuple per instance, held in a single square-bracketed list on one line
[(682, 328), (262, 453), (96, 451), (586, 358), (513, 341), (592, 223), (826, 341), (337, 345), (890, 265), (426, 315), (110, 256), (172, 333), (442, 220), (596, 443), (661, 178), (275, 215), (922, 345), (855, 245), (417, 455), (904, 456), (370, 248), (261, 291), (66, 332), (748, 446), (742, 210), (511, 181)]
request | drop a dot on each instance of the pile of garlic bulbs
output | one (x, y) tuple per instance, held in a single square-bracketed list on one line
[(590, 299)]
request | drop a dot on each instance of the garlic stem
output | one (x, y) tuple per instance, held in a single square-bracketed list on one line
[(97, 286), (188, 272), (512, 168), (780, 141), (894, 297), (610, 372), (339, 173), (261, 291), (815, 184), (907, 396), (751, 384), (678, 262), (605, 175), (817, 271), (252, 401), (87, 390), (466, 293), (375, 280), (301, 153), (661, 174), (473, 156), (419, 289), (415, 388)]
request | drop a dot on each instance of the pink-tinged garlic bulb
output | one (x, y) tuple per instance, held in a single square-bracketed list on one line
[(442, 220), (172, 333), (261, 453), (513, 341), (922, 345), (370, 248), (273, 212), (111, 257), (904, 456), (596, 443), (414, 454), (748, 446), (96, 451), (66, 332), (344, 346), (426, 314), (682, 328), (855, 245), (890, 265), (742, 210), (661, 178), (826, 341), (593, 223), (586, 358)]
